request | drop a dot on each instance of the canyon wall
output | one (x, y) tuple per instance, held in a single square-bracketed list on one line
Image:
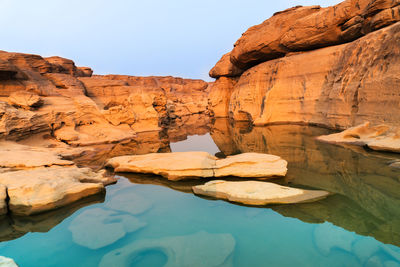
[(53, 95), (335, 67)]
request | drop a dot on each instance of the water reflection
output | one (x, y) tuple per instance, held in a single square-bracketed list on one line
[(367, 188)]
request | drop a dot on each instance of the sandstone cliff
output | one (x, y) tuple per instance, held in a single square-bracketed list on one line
[(334, 67), (53, 95)]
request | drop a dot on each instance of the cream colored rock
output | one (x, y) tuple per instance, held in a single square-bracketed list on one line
[(7, 262), (257, 193), (13, 155), (43, 189), (255, 165), (179, 250), (219, 97), (173, 166), (380, 138), (3, 197), (183, 165), (25, 99)]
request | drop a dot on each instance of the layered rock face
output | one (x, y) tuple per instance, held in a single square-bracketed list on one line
[(335, 67), (52, 94)]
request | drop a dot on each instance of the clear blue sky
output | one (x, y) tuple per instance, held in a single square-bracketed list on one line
[(150, 37)]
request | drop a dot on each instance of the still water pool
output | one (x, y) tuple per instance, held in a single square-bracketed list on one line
[(145, 220)]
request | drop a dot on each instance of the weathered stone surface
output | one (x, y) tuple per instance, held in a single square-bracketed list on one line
[(381, 137), (257, 193), (225, 68), (338, 86), (173, 166), (184, 165), (129, 202), (7, 70), (7, 262), (179, 250), (25, 99), (3, 197), (306, 28), (62, 65), (43, 189), (84, 72), (96, 228), (219, 97)]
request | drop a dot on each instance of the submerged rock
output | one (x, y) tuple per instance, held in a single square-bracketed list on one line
[(129, 202), (184, 165), (7, 262), (380, 138), (257, 193), (200, 249), (43, 189), (97, 228)]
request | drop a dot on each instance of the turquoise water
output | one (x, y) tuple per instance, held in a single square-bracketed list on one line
[(147, 221)]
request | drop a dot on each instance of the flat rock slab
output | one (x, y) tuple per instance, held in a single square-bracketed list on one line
[(97, 228), (200, 249), (379, 138), (43, 189), (7, 262), (257, 193), (185, 165)]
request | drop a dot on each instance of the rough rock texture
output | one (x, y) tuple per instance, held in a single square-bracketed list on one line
[(94, 229), (3, 197), (43, 189), (257, 193), (225, 68), (219, 97), (25, 99), (179, 250), (335, 66), (336, 87), (381, 138), (306, 28), (183, 165)]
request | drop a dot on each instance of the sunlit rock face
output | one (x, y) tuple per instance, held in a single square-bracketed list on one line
[(362, 182), (53, 94), (335, 67)]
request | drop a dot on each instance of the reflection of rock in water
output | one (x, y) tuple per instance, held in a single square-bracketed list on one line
[(199, 249), (146, 142), (369, 190), (14, 227)]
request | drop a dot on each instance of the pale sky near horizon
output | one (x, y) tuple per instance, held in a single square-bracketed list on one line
[(152, 37)]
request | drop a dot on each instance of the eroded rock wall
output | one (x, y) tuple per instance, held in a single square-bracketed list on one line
[(335, 67)]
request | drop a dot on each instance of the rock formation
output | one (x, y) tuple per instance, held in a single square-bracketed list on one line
[(380, 138), (334, 66), (188, 165), (257, 193)]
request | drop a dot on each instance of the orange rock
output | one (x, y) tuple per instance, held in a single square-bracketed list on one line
[(225, 67)]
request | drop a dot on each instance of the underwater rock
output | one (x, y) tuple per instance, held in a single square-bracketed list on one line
[(129, 202), (257, 193), (328, 237), (379, 138), (7, 262), (183, 165), (43, 189), (199, 249), (96, 228)]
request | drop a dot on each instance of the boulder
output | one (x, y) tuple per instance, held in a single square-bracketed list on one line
[(185, 165), (337, 87), (225, 68), (84, 72), (306, 28), (380, 138), (96, 228), (199, 249), (25, 99), (39, 190), (62, 65), (219, 97), (173, 166), (257, 193)]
